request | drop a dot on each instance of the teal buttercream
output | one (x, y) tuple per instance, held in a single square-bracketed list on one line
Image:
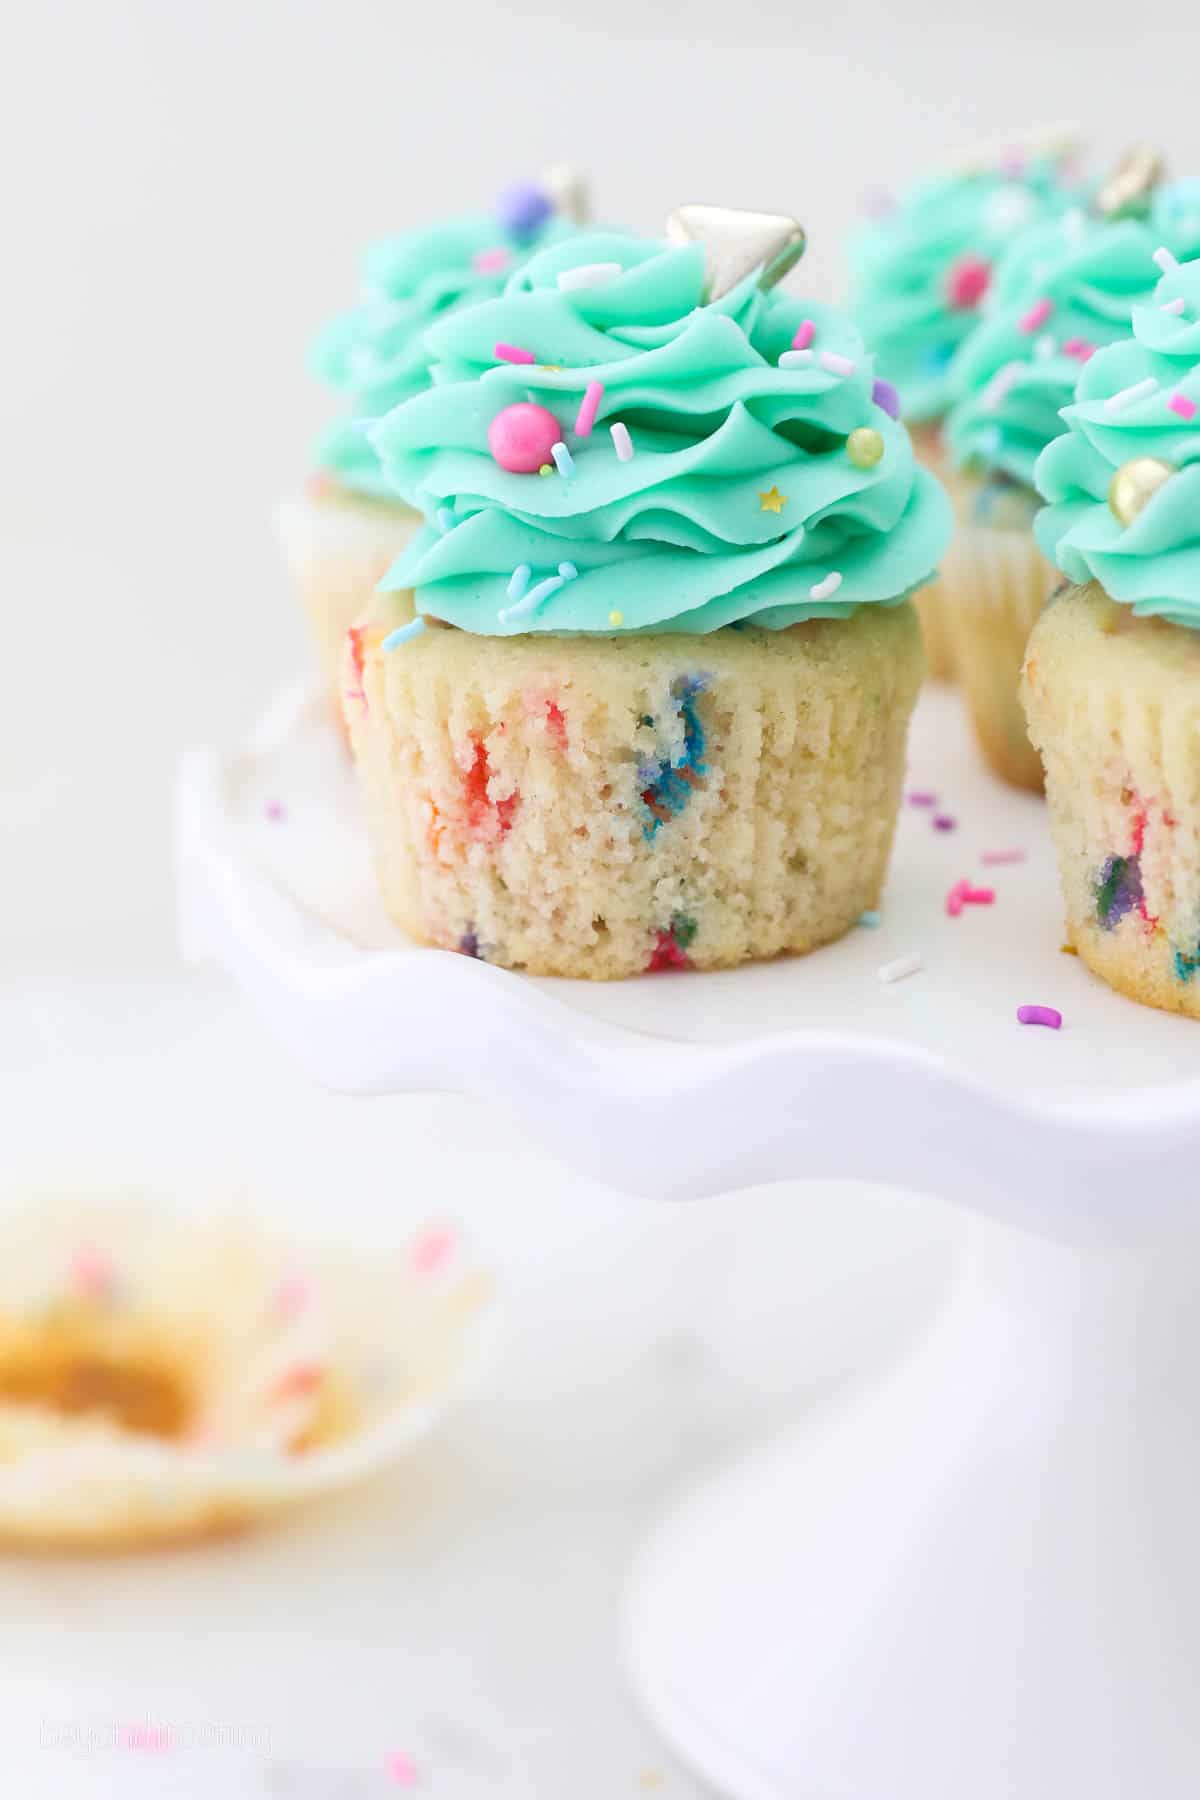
[(1016, 371), (375, 354), (1153, 563), (903, 264), (683, 536)]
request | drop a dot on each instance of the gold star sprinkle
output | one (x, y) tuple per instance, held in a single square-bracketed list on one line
[(772, 500)]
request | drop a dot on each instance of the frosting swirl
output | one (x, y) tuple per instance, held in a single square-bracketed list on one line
[(1065, 289), (1138, 399), (740, 500), (375, 354), (921, 270)]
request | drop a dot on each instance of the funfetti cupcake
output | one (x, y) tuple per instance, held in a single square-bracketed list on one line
[(349, 525), (1111, 685), (1065, 290), (922, 267), (652, 711)]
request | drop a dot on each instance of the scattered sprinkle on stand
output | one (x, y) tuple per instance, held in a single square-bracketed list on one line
[(1179, 403), (901, 968), (1040, 1015), (622, 442), (564, 462), (806, 331), (922, 797), (512, 353), (401, 1769), (404, 634), (995, 858), (274, 810), (1129, 396), (585, 418), (870, 920), (826, 587), (956, 898)]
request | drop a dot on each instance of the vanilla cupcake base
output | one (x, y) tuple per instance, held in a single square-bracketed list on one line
[(1002, 581), (1113, 704), (338, 546), (935, 602), (599, 807)]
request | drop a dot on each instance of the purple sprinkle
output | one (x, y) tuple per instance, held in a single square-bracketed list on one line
[(885, 395), (922, 797), (1040, 1015), (274, 809), (468, 945), (524, 209), (943, 822)]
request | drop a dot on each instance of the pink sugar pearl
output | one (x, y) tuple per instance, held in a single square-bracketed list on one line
[(967, 281), (522, 437)]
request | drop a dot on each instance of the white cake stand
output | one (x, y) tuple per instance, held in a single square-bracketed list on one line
[(979, 1579)]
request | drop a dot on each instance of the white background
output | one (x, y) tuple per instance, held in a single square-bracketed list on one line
[(186, 186)]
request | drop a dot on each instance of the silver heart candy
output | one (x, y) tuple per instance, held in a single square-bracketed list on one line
[(736, 243)]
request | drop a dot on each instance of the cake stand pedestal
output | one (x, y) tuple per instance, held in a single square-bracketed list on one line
[(978, 1577)]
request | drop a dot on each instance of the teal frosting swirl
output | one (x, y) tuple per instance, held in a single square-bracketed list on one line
[(1013, 376), (740, 498), (1153, 563), (902, 264), (375, 354)]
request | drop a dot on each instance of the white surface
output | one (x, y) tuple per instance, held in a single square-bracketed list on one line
[(465, 1609), (963, 1100), (979, 1575)]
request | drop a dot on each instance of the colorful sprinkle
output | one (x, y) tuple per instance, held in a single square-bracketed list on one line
[(401, 1769), (518, 581), (1175, 306), (980, 896), (616, 618), (491, 262), (524, 209), (795, 359), (622, 442), (1037, 315), (585, 418), (1179, 403), (1001, 385), (902, 967), (1165, 260), (274, 810), (1080, 348), (944, 822), (432, 1250), (771, 500), (864, 447), (806, 331), (588, 275), (922, 797), (870, 920), (1128, 396), (521, 437), (994, 858), (1040, 1015), (837, 365), (564, 462), (956, 898), (967, 281), (404, 634), (512, 353), (886, 396), (537, 596), (827, 587)]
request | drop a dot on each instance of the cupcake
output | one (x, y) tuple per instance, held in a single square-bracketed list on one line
[(349, 526), (1064, 290), (921, 268), (162, 1379), (652, 710), (1111, 684)]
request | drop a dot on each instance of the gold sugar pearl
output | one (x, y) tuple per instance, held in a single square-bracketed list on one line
[(1134, 486), (864, 447), (1130, 187)]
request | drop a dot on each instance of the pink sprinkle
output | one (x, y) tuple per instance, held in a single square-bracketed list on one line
[(980, 896), (1040, 1015), (922, 797), (943, 822), (806, 331), (585, 418), (1037, 315), (401, 1769), (91, 1274), (1079, 347), (490, 262), (514, 354), (146, 1737), (956, 898), (433, 1248), (1179, 403), (292, 1296), (993, 858), (274, 809)]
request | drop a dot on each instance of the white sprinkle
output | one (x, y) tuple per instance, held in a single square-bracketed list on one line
[(998, 388), (902, 967), (518, 581), (1164, 259), (795, 359), (827, 587), (837, 365), (622, 442), (1173, 306), (1140, 390), (1044, 347), (588, 275), (564, 462)]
